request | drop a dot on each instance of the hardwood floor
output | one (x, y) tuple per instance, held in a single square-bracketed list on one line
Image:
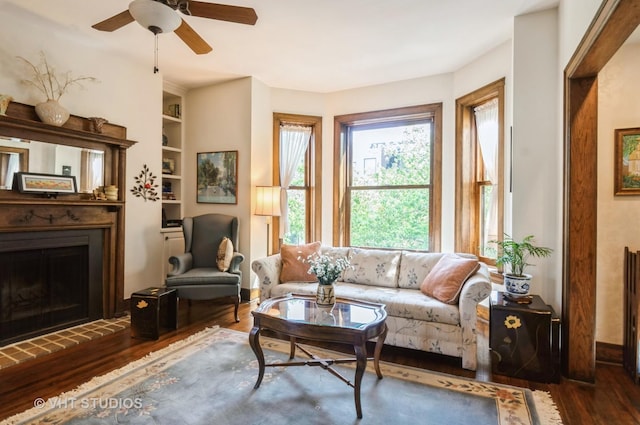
[(613, 399)]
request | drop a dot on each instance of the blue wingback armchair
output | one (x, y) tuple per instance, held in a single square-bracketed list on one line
[(195, 273)]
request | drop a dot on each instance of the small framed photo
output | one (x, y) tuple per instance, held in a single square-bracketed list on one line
[(168, 166), (217, 181), (627, 161), (45, 183)]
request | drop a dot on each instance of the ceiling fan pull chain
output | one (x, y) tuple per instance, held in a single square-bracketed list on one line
[(155, 55)]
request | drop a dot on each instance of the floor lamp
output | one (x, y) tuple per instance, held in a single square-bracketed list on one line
[(268, 204)]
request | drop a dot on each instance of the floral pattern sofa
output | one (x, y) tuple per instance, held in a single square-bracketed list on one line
[(393, 278)]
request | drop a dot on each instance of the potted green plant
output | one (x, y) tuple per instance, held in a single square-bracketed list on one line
[(515, 254)]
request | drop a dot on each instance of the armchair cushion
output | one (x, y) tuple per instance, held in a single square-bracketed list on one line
[(225, 253), (293, 268), (444, 282), (203, 276)]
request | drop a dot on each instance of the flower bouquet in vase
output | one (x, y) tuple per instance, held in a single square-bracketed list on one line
[(327, 269)]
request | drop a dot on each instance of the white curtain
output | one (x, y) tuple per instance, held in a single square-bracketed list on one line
[(92, 172), (487, 131), (294, 140), (9, 164)]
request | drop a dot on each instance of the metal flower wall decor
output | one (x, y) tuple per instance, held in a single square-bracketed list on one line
[(145, 187)]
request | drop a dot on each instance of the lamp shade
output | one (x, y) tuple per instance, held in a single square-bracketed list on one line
[(154, 16), (268, 201)]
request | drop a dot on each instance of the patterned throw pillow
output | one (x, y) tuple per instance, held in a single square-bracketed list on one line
[(225, 253), (445, 281), (373, 267), (293, 269)]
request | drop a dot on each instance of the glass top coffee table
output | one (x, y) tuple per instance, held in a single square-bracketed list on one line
[(348, 322)]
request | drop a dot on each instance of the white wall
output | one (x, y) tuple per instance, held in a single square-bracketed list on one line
[(618, 87), (574, 17), (261, 169), (127, 94), (219, 119), (536, 148)]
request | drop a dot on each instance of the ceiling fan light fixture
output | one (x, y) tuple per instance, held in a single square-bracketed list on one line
[(154, 16)]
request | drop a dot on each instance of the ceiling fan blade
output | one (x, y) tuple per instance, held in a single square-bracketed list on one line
[(192, 39), (223, 12), (114, 22)]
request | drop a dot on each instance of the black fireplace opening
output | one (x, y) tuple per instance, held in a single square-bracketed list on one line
[(49, 281)]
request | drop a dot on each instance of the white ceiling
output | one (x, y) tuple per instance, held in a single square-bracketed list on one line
[(311, 45)]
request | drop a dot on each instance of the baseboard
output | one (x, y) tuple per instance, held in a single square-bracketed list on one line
[(609, 353), (249, 294)]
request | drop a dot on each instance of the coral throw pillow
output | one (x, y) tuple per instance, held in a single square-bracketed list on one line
[(225, 254), (293, 269), (444, 282)]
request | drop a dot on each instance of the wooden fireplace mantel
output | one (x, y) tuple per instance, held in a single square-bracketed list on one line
[(32, 212)]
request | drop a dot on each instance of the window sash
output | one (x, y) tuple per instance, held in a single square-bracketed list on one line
[(343, 179)]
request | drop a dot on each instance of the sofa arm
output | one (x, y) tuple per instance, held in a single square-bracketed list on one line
[(268, 271), (181, 263), (476, 289)]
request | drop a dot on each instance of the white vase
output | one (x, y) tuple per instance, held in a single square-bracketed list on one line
[(325, 295), (52, 113), (517, 286)]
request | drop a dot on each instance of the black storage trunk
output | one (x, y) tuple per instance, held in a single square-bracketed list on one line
[(153, 310)]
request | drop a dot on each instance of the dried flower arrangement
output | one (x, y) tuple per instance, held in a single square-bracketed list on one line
[(46, 80)]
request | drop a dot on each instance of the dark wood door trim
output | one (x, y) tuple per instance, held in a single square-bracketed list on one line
[(612, 25)]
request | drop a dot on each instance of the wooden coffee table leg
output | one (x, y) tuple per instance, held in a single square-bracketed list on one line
[(361, 366), (254, 341), (292, 347), (378, 350)]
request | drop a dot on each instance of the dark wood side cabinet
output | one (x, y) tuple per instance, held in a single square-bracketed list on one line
[(524, 339)]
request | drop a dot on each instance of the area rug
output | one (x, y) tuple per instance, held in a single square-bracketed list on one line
[(208, 378)]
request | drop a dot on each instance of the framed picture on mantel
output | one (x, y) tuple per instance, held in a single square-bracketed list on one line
[(217, 181), (44, 183), (627, 161)]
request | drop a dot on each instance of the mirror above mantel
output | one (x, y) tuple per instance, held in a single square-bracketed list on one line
[(94, 158), (19, 155)]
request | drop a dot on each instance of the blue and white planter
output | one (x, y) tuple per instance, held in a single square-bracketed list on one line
[(517, 286)]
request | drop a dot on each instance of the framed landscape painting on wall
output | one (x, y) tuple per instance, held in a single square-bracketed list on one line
[(627, 161), (217, 177)]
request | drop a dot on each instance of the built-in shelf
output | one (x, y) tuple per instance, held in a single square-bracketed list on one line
[(172, 144), (171, 119)]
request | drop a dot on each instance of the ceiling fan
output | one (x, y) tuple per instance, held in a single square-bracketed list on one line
[(160, 16)]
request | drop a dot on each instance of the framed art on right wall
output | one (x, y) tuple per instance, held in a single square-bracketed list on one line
[(627, 161)]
